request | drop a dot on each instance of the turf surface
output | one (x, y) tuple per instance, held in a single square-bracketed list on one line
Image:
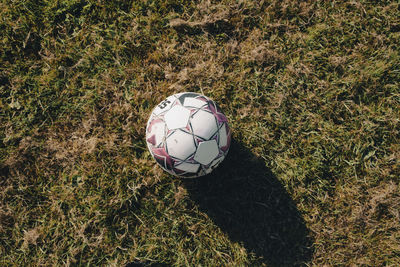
[(311, 89)]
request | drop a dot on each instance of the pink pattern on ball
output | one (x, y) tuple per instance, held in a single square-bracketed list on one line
[(162, 156)]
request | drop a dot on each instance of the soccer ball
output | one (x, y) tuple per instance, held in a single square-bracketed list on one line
[(188, 135)]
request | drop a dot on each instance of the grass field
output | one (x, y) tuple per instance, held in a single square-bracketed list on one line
[(312, 93)]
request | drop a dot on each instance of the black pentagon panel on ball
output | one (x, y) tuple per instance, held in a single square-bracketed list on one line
[(185, 95)]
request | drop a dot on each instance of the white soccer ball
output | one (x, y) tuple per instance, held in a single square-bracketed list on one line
[(188, 135)]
